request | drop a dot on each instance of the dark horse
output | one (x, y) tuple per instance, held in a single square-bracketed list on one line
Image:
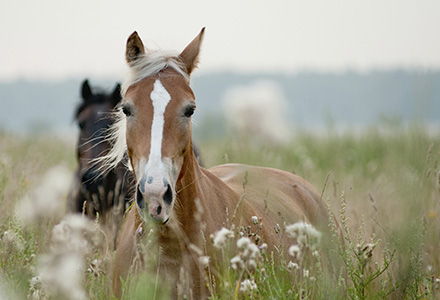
[(93, 193)]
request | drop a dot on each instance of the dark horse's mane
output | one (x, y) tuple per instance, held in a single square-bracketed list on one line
[(99, 98)]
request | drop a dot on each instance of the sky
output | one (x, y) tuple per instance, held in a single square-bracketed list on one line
[(54, 39)]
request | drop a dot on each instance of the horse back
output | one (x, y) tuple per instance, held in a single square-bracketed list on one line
[(275, 196)]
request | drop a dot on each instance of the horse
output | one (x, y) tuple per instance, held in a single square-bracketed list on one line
[(182, 201), (92, 193)]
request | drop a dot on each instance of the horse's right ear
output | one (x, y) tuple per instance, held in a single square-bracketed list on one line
[(190, 55), (86, 91), (135, 48)]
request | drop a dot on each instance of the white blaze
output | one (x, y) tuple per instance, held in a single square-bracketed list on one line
[(160, 98), (155, 168)]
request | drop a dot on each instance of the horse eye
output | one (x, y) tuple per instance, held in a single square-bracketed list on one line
[(189, 111), (126, 110), (82, 124)]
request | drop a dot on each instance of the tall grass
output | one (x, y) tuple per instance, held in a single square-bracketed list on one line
[(383, 187)]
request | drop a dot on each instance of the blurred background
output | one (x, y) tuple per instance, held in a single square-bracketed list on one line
[(269, 68)]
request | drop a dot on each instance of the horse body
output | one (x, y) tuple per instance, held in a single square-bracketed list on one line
[(273, 194), (185, 202)]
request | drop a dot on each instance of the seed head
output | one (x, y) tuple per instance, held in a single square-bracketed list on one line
[(221, 237)]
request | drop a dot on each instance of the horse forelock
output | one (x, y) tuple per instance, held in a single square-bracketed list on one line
[(151, 64)]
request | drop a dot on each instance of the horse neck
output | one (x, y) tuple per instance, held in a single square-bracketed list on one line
[(188, 188), (203, 199)]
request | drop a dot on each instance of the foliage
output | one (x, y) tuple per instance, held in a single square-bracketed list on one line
[(382, 187)]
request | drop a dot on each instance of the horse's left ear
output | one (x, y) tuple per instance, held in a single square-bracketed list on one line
[(116, 94), (86, 91), (135, 48), (190, 55)]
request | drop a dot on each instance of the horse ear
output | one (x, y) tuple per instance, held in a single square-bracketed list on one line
[(135, 47), (116, 95), (86, 91), (190, 55)]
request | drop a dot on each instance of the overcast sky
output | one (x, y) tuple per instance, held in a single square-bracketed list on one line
[(62, 39)]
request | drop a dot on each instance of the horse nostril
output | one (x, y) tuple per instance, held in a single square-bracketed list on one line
[(159, 210), (168, 196), (91, 176), (140, 199)]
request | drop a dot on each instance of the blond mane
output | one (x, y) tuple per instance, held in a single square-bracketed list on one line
[(150, 64)]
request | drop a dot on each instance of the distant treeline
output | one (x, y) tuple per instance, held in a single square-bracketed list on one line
[(314, 99)]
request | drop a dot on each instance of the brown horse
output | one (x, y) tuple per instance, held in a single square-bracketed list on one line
[(172, 190), (91, 192)]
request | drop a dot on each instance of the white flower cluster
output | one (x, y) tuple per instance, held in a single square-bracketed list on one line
[(247, 286), (305, 234), (221, 237), (247, 256), (61, 270), (47, 200), (292, 266), (295, 251), (36, 289)]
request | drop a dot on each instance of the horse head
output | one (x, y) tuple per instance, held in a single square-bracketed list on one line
[(156, 109), (93, 117)]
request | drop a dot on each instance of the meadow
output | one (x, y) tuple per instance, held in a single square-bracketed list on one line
[(381, 185)]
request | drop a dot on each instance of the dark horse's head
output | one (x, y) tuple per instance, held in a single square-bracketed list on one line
[(93, 117)]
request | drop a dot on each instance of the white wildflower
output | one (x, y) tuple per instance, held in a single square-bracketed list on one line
[(237, 263), (61, 270), (263, 247), (305, 234), (221, 237), (306, 273), (36, 289), (63, 275), (48, 198), (292, 266), (243, 242), (255, 220), (295, 251), (248, 253), (247, 286), (204, 261)]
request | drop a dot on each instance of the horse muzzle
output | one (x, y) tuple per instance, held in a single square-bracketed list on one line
[(154, 202)]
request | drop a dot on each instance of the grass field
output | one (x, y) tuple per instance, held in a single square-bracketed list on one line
[(382, 185)]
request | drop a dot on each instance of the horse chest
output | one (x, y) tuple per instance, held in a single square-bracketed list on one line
[(179, 264)]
